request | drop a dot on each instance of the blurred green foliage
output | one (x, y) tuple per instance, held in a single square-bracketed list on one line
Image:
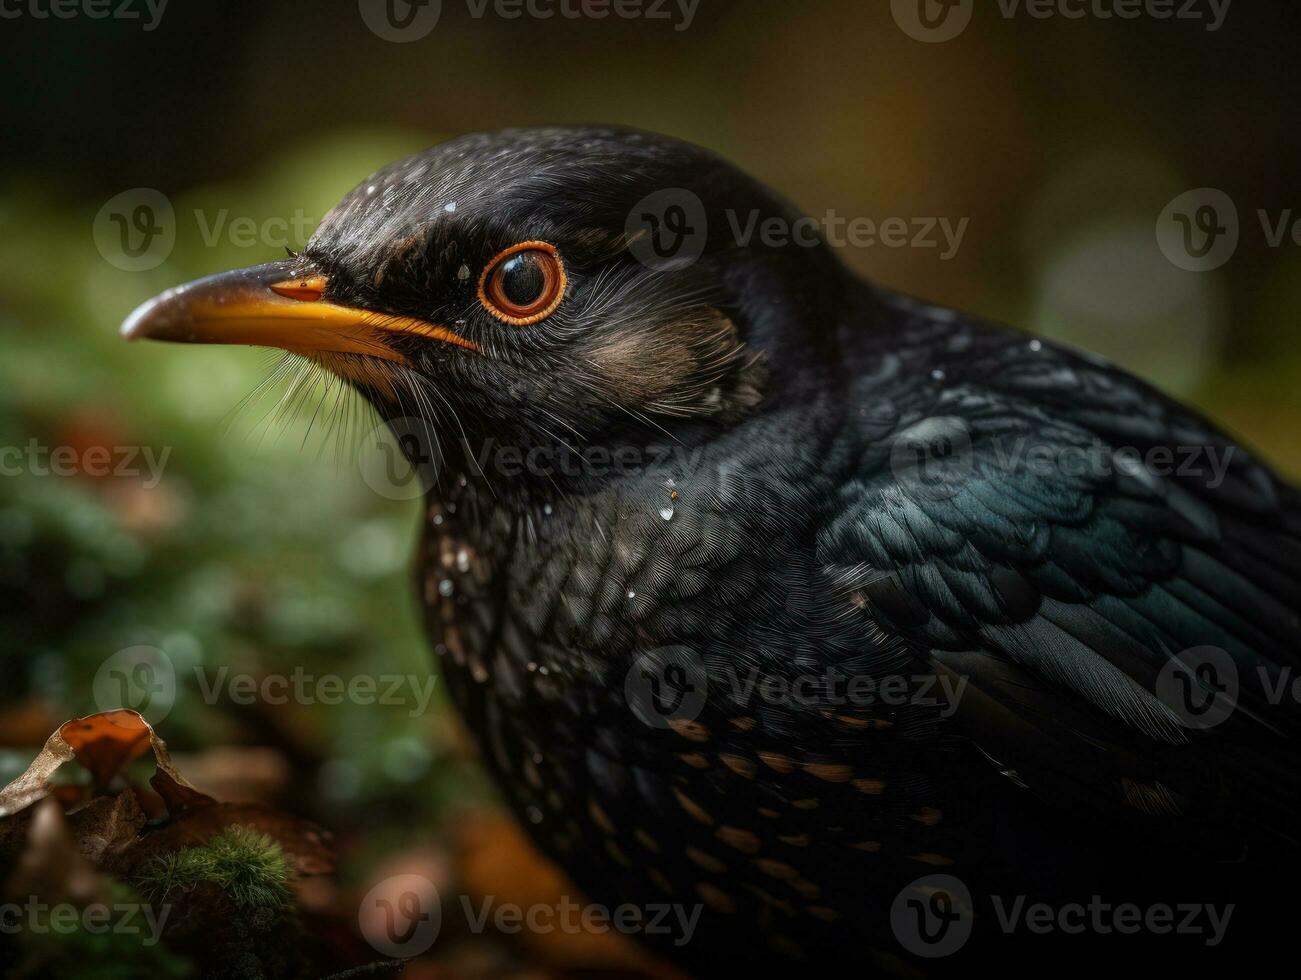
[(262, 549)]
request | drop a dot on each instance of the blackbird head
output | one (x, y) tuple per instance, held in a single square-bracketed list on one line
[(535, 286)]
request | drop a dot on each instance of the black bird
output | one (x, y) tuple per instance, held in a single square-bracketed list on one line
[(771, 592)]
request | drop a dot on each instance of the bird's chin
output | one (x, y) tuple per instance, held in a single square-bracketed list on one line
[(375, 378)]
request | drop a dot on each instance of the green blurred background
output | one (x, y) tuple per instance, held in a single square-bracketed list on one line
[(263, 547)]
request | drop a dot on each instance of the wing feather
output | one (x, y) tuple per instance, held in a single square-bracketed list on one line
[(1084, 582)]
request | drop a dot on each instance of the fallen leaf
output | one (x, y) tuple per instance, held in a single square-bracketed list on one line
[(34, 784), (177, 796), (104, 743), (107, 825), (107, 742)]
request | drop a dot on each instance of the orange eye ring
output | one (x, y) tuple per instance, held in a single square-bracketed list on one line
[(493, 292)]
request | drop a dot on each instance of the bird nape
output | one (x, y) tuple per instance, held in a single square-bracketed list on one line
[(855, 630)]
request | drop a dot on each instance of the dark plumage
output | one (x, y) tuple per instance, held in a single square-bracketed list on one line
[(830, 479)]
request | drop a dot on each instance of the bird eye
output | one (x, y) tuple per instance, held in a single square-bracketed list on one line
[(524, 284)]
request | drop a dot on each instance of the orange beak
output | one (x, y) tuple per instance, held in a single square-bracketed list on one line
[(269, 306)]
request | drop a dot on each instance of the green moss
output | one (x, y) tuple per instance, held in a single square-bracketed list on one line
[(247, 865)]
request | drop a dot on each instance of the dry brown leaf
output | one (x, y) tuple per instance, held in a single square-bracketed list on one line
[(107, 742), (178, 796), (34, 784), (107, 825), (104, 743)]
